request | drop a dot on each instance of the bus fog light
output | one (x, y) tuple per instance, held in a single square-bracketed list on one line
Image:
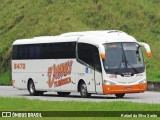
[(143, 81), (108, 82)]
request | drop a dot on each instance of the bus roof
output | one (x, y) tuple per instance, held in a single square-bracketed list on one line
[(92, 37), (45, 39)]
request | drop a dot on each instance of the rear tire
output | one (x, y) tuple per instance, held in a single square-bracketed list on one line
[(63, 93), (119, 95), (83, 90), (31, 88)]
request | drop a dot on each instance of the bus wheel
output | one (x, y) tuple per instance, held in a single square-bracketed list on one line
[(83, 90), (119, 95), (63, 93), (31, 88)]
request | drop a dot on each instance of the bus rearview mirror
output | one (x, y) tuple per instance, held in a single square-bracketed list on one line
[(102, 52), (147, 48)]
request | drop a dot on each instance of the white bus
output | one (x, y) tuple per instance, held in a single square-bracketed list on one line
[(90, 62)]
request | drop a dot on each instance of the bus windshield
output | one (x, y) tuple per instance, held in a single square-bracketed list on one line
[(123, 58)]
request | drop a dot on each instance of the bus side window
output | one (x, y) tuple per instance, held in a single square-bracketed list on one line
[(37, 52), (31, 51), (89, 55), (15, 52), (20, 52), (97, 63)]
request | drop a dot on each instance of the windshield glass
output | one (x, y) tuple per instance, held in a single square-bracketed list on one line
[(123, 57)]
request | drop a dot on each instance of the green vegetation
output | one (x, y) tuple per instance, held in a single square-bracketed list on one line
[(17, 104), (29, 18)]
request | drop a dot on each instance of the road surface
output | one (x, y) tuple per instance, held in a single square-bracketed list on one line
[(147, 97)]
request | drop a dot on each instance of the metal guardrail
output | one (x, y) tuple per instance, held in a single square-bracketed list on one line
[(153, 86)]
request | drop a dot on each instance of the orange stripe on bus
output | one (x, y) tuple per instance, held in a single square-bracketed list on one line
[(115, 89)]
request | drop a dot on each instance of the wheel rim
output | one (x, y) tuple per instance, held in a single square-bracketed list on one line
[(31, 88), (83, 89)]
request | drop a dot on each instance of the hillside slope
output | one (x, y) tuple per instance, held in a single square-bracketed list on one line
[(30, 18)]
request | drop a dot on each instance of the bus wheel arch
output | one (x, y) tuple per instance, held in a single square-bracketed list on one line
[(82, 88), (31, 88)]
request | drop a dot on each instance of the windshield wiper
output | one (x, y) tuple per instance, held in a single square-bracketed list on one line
[(128, 63), (124, 56), (124, 59)]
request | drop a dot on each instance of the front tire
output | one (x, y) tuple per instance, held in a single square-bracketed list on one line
[(83, 90), (119, 95)]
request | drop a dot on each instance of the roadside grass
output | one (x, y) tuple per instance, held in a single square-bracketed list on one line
[(23, 104)]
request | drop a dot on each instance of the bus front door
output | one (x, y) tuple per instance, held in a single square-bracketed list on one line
[(98, 74)]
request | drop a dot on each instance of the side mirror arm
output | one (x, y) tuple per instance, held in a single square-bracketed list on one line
[(147, 48), (102, 52)]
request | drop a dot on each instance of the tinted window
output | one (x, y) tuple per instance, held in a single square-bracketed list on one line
[(44, 51), (20, 52), (122, 58), (89, 55), (34, 51), (14, 53)]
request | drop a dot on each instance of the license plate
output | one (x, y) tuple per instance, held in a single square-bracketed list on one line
[(127, 75), (128, 88)]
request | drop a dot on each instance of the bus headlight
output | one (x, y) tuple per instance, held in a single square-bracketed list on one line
[(143, 81), (108, 82)]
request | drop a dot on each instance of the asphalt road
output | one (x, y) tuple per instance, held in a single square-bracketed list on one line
[(147, 97)]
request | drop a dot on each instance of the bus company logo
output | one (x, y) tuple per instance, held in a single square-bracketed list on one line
[(56, 72)]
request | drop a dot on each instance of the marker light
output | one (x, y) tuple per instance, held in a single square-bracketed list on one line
[(149, 54), (143, 81), (102, 56), (109, 82)]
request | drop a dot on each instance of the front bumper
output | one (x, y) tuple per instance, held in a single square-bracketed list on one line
[(118, 89)]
